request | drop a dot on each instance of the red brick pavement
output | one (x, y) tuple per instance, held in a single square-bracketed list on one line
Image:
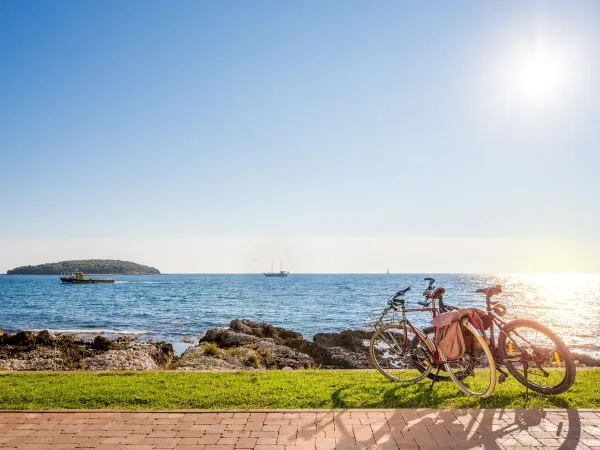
[(315, 429)]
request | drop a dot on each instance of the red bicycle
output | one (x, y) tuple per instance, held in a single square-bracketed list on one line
[(530, 351)]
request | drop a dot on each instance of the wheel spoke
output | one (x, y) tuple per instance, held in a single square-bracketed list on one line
[(393, 354), (536, 357)]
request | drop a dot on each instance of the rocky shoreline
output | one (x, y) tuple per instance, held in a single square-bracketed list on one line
[(244, 345)]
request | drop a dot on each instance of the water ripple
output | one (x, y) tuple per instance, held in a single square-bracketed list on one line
[(172, 306)]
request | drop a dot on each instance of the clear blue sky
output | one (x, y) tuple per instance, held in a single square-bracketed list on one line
[(216, 121)]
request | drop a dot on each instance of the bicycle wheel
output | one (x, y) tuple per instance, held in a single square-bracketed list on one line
[(475, 372), (392, 351), (420, 361), (536, 356)]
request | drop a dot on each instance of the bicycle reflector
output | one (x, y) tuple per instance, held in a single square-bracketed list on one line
[(557, 359)]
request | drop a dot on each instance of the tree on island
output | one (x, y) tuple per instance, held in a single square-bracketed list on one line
[(91, 266)]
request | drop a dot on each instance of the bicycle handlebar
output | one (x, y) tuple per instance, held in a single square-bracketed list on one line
[(400, 293)]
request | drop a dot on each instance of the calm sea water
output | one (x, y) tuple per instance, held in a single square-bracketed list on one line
[(171, 307)]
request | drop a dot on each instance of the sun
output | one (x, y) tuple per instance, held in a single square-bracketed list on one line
[(539, 75)]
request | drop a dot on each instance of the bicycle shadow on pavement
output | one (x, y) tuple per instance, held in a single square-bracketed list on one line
[(493, 429), (456, 428)]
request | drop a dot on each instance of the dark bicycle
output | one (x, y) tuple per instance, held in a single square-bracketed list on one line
[(530, 351)]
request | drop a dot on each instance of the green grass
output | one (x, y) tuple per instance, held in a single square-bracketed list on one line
[(276, 389)]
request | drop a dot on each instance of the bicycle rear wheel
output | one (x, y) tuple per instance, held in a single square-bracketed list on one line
[(393, 349), (536, 356), (475, 372)]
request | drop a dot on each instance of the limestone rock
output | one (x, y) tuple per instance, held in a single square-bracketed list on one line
[(41, 358), (130, 359)]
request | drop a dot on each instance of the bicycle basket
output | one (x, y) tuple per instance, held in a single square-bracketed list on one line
[(379, 318)]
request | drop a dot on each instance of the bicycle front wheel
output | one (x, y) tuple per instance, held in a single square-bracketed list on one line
[(475, 372), (421, 362), (536, 356), (394, 351)]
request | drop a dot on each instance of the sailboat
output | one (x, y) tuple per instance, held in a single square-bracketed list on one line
[(281, 273), (388, 272)]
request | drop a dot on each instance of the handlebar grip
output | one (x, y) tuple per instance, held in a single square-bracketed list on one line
[(402, 292)]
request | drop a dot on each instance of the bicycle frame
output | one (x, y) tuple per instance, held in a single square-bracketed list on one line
[(501, 323), (435, 355)]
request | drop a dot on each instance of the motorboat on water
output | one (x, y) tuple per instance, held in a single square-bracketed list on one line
[(81, 278)]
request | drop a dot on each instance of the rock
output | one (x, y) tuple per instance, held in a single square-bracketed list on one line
[(275, 356), (44, 351), (278, 348), (585, 360), (102, 343), (195, 358), (255, 353), (41, 358), (21, 338), (226, 338), (130, 359), (44, 337), (263, 330), (162, 353), (188, 340), (353, 340), (345, 349)]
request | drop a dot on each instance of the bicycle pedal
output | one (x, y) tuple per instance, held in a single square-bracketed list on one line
[(502, 378)]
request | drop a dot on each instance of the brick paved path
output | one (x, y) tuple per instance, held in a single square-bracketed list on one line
[(342, 429)]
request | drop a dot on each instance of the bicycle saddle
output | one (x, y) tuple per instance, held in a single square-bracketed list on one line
[(495, 290), (436, 293)]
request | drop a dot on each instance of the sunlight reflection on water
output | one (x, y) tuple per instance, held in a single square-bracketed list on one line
[(567, 303), (170, 307)]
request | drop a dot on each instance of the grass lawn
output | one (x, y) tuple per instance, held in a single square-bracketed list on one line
[(263, 390)]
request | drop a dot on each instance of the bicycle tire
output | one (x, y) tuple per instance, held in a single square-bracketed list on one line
[(391, 357), (421, 365), (476, 381), (560, 354)]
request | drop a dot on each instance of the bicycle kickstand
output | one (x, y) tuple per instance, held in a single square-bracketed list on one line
[(503, 375), (525, 367)]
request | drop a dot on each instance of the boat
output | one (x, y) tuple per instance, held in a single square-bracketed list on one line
[(80, 278), (388, 272), (281, 273)]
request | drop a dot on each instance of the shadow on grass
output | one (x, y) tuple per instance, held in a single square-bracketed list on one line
[(442, 395), (417, 396), (337, 400)]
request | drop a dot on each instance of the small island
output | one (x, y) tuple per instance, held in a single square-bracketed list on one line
[(91, 266)]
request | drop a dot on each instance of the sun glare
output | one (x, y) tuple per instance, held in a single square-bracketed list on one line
[(538, 73), (539, 77)]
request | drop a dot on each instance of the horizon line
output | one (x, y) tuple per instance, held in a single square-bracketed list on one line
[(336, 273)]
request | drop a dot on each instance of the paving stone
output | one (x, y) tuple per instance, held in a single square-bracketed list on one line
[(287, 430)]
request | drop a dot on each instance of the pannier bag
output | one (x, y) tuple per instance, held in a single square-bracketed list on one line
[(450, 337)]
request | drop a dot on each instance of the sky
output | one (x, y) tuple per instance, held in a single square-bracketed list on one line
[(337, 136)]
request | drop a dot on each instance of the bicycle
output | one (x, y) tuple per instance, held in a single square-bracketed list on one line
[(530, 351), (397, 345)]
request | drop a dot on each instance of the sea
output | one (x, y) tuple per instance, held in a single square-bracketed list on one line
[(175, 307)]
